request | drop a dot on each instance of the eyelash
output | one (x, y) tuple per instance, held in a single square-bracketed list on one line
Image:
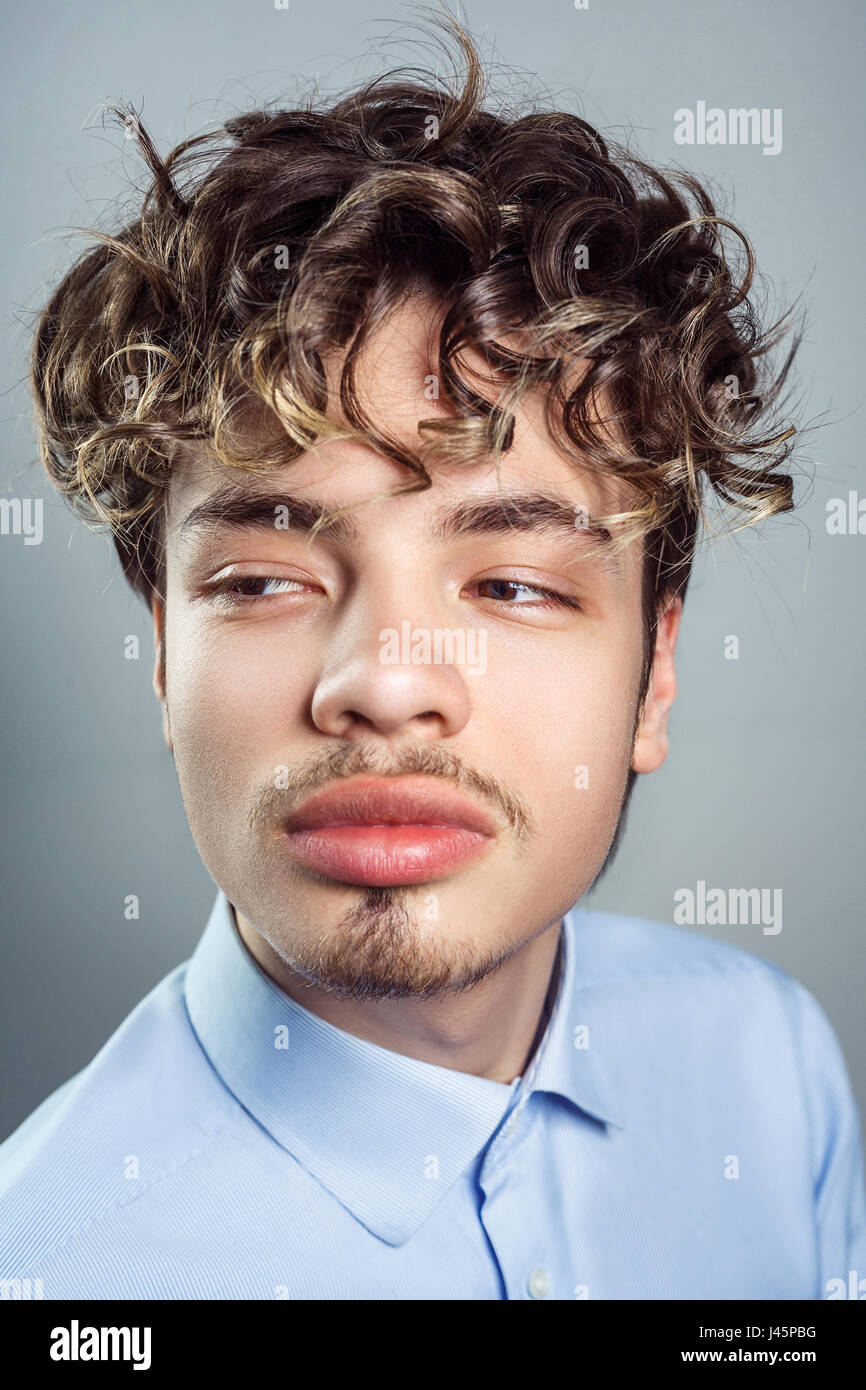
[(552, 597)]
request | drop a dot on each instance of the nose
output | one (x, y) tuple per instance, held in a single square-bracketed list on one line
[(363, 689)]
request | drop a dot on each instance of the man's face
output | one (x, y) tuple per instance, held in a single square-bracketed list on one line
[(466, 678)]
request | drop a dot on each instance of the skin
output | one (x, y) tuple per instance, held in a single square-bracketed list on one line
[(454, 971)]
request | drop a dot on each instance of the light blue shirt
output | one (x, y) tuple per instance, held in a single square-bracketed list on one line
[(686, 1130)]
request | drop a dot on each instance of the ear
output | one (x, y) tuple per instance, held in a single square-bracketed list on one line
[(158, 611), (651, 740)]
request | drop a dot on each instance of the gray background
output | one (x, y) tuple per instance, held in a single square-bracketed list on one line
[(763, 783)]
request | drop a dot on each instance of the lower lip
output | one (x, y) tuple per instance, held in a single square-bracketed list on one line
[(384, 856)]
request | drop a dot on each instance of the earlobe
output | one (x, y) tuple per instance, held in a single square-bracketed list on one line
[(651, 740)]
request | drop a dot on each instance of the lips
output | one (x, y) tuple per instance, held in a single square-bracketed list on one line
[(384, 833)]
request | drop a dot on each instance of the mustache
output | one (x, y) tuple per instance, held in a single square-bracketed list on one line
[(274, 803)]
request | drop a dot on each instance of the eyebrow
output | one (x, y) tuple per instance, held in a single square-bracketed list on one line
[(536, 512)]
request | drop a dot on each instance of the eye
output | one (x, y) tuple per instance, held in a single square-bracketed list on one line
[(506, 590), (248, 588)]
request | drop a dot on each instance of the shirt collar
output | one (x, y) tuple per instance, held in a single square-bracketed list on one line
[(372, 1125), (569, 1061)]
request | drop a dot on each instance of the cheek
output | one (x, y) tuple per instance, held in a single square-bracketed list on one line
[(233, 700), (566, 741)]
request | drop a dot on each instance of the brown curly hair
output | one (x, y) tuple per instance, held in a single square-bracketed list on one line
[(286, 234)]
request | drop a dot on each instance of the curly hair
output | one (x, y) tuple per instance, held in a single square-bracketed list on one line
[(286, 234)]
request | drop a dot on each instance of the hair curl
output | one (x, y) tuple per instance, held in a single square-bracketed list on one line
[(286, 234)]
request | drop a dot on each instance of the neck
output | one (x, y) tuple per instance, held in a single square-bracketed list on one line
[(492, 1030)]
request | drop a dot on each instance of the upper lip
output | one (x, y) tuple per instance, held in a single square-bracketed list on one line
[(364, 801)]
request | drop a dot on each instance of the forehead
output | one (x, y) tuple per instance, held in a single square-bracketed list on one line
[(397, 382)]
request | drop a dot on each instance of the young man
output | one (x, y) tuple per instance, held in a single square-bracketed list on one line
[(401, 416)]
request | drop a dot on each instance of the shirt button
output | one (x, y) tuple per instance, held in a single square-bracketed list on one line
[(538, 1283), (509, 1126)]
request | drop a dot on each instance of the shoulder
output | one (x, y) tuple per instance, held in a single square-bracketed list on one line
[(613, 949), (612, 944), (617, 949), (147, 1106), (726, 1008)]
